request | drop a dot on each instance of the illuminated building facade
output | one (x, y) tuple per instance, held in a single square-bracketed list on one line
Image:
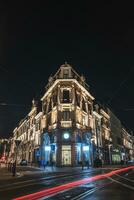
[(67, 108), (67, 129)]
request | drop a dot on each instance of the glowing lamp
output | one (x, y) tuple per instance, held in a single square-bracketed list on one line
[(85, 148), (66, 136), (47, 148)]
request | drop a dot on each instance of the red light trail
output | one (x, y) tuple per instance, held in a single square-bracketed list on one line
[(56, 189)]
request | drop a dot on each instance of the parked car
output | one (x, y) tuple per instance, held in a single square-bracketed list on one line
[(23, 162)]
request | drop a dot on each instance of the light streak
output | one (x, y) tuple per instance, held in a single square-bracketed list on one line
[(56, 189)]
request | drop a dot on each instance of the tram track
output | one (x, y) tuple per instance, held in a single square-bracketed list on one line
[(121, 180), (89, 192), (116, 178), (39, 181), (113, 180)]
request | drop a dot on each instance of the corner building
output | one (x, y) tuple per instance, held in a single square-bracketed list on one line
[(67, 119)]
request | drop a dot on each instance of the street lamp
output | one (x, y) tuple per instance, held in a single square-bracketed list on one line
[(17, 143), (92, 139), (109, 149)]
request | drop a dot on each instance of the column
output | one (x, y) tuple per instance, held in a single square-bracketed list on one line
[(59, 155), (73, 154)]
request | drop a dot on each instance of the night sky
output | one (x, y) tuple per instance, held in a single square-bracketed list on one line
[(97, 39)]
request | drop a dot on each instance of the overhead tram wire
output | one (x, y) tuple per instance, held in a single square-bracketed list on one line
[(17, 105), (120, 86), (3, 68), (128, 109)]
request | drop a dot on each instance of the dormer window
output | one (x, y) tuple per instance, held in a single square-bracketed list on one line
[(66, 73)]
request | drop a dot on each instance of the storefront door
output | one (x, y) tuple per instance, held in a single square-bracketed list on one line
[(66, 155)]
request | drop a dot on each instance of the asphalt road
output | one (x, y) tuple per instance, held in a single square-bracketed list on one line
[(119, 186), (114, 188)]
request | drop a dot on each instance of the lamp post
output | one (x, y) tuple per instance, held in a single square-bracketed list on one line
[(92, 139), (17, 143), (97, 137), (109, 149)]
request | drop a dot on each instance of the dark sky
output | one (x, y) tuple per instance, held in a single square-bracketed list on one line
[(35, 39)]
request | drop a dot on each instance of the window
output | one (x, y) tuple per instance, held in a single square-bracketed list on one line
[(84, 120), (31, 134), (66, 73), (50, 106), (66, 115), (45, 108), (77, 99), (28, 125), (54, 100), (66, 96), (49, 119), (83, 105), (90, 109), (37, 126), (33, 121), (107, 124)]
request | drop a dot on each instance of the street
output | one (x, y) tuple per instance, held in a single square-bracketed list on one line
[(69, 183)]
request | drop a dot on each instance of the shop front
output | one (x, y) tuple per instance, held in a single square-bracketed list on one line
[(116, 156), (66, 148)]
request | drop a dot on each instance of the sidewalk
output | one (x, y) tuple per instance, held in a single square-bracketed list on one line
[(29, 170), (49, 169), (5, 174), (62, 169)]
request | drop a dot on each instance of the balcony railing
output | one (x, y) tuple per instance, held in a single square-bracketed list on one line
[(66, 124)]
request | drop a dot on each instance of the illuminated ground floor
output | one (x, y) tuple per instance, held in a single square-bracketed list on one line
[(66, 148)]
